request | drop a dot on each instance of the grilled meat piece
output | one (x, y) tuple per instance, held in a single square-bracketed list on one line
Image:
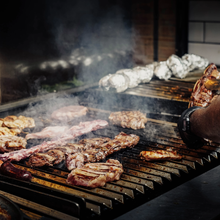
[(121, 141), (127, 140), (201, 96), (93, 142), (40, 159), (1, 122), (93, 155), (46, 159), (86, 177), (11, 143), (74, 160), (20, 122), (79, 154), (113, 168), (57, 154), (160, 155), (97, 153), (7, 131), (70, 148), (65, 133), (96, 175), (83, 128), (128, 119), (24, 153), (48, 132), (8, 169), (68, 113)]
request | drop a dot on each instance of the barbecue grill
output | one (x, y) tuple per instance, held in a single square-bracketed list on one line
[(49, 48), (49, 195)]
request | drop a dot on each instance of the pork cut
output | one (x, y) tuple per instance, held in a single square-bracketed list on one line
[(65, 133), (128, 119), (68, 113), (155, 155), (83, 128), (48, 132)]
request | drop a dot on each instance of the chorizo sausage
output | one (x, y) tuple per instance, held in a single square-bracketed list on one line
[(8, 169)]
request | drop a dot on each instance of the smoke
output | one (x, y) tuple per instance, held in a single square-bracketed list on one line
[(98, 31), (61, 41)]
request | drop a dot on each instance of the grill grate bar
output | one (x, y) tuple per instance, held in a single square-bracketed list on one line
[(173, 165), (85, 193), (37, 207), (143, 175), (152, 165), (120, 189), (144, 182), (141, 179), (147, 170), (133, 186)]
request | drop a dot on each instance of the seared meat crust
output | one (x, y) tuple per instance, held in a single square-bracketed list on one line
[(68, 113), (11, 143), (160, 155), (96, 174), (128, 119), (201, 96)]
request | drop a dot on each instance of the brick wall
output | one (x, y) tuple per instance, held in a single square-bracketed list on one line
[(166, 29), (143, 30), (142, 21)]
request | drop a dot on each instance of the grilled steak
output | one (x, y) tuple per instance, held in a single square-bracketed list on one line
[(128, 140), (128, 119), (92, 142), (96, 175), (79, 154), (74, 160), (99, 152), (70, 148), (201, 96), (111, 165), (56, 155), (40, 159), (160, 155), (49, 158), (68, 113), (11, 143)]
